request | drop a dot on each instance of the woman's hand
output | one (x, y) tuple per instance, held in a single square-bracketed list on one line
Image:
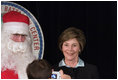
[(64, 76)]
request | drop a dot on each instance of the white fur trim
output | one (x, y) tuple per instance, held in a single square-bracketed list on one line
[(16, 27)]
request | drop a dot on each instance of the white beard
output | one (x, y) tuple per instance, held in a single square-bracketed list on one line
[(16, 55)]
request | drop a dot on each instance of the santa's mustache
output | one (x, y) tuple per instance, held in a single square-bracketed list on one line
[(17, 47)]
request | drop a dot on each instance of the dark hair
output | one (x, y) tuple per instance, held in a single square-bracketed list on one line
[(39, 69), (71, 33)]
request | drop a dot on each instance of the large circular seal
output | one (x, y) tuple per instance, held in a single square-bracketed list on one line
[(35, 28)]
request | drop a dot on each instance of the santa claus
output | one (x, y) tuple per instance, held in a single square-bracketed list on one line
[(16, 50)]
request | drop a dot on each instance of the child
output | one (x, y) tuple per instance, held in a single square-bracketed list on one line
[(39, 69)]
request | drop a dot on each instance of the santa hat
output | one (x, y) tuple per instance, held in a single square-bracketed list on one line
[(14, 16), (15, 21)]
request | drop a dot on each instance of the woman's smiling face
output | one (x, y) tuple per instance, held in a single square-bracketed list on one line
[(71, 49)]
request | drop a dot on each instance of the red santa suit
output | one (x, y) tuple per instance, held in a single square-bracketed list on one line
[(9, 74), (15, 22)]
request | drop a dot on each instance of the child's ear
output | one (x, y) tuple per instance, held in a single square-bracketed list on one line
[(52, 70)]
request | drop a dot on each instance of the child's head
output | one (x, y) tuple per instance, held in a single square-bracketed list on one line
[(39, 69)]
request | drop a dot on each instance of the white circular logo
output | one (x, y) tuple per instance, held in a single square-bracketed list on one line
[(35, 28)]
